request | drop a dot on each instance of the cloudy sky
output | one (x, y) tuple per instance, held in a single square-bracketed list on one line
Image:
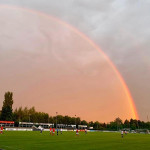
[(119, 27)]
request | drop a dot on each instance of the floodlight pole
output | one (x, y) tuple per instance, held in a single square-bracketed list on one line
[(75, 121), (48, 118), (137, 124), (117, 126), (148, 121), (29, 117), (19, 120), (56, 119)]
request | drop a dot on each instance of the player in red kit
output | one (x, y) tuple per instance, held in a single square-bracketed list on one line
[(53, 131), (77, 132), (1, 129), (50, 131)]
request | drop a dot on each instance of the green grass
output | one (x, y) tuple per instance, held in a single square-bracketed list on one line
[(28, 140)]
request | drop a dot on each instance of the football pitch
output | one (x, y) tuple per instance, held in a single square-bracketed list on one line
[(29, 140)]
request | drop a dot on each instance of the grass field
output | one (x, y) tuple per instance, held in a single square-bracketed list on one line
[(28, 140)]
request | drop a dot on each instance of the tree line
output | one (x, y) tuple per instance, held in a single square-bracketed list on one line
[(31, 115)]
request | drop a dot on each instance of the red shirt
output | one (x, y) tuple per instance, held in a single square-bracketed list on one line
[(1, 128), (53, 130), (50, 129)]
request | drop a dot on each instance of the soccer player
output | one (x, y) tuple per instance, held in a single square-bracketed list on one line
[(41, 130), (61, 130), (122, 133), (77, 132), (57, 131), (53, 131), (85, 131), (1, 129)]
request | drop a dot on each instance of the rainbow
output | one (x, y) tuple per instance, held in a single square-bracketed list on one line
[(126, 90)]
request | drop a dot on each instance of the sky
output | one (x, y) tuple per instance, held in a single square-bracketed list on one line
[(50, 66)]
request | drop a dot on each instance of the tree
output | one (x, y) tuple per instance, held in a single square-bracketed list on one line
[(134, 124), (118, 122), (91, 123), (0, 114), (6, 113), (83, 122), (78, 121), (96, 125), (126, 124), (112, 125)]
